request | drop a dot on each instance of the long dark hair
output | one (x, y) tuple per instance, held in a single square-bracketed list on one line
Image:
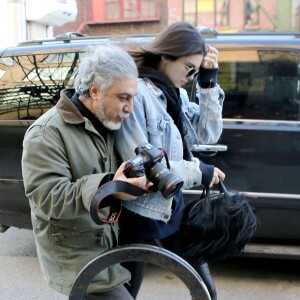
[(177, 40)]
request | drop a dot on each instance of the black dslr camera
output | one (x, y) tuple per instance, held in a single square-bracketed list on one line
[(147, 162)]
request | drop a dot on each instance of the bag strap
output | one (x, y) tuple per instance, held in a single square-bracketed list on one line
[(222, 187), (207, 190)]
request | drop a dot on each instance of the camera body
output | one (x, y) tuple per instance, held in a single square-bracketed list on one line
[(148, 162), (147, 156)]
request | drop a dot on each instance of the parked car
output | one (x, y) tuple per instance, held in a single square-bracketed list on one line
[(259, 149)]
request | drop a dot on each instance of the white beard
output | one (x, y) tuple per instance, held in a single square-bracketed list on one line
[(106, 123), (111, 125)]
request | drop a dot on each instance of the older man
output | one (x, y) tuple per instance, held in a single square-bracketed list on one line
[(68, 153)]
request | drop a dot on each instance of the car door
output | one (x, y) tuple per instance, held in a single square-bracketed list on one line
[(262, 133), (29, 85)]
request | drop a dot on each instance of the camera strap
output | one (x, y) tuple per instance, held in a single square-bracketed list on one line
[(104, 198), (166, 157)]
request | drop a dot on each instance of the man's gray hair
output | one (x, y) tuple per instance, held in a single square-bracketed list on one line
[(102, 65)]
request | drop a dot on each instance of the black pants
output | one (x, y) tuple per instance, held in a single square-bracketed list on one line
[(128, 235), (199, 265)]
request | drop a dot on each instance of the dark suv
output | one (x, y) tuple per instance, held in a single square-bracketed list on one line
[(259, 149)]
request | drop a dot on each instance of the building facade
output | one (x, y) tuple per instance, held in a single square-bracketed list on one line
[(102, 17)]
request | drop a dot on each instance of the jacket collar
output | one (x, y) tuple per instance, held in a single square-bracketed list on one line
[(152, 87), (67, 109)]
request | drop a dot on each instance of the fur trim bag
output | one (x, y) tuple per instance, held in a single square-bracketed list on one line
[(218, 225)]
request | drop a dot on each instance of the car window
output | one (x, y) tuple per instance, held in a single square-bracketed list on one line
[(30, 84), (260, 84)]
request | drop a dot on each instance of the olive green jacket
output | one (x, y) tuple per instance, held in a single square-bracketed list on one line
[(64, 160)]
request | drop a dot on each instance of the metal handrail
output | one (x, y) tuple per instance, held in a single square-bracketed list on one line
[(142, 253)]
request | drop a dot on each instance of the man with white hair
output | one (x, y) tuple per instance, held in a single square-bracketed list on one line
[(68, 154)]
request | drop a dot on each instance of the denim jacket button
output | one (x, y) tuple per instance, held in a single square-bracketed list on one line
[(166, 216)]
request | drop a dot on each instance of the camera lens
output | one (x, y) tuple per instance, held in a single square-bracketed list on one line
[(167, 183)]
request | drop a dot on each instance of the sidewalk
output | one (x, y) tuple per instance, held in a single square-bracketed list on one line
[(21, 277), (248, 279)]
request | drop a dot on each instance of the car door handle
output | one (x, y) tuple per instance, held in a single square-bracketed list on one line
[(208, 149)]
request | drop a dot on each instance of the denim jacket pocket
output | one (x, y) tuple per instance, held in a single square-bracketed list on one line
[(156, 127), (157, 132)]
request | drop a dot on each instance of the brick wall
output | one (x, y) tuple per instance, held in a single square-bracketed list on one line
[(170, 11), (85, 24)]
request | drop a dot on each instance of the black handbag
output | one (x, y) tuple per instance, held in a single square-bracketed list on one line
[(217, 225)]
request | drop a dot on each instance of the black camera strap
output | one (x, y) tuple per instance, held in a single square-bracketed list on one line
[(166, 157), (104, 198)]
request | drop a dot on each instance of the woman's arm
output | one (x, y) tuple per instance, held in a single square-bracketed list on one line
[(205, 118)]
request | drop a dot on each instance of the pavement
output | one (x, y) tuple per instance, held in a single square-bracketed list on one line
[(245, 279), (21, 277)]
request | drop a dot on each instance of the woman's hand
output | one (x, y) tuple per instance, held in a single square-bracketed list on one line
[(217, 177), (210, 60)]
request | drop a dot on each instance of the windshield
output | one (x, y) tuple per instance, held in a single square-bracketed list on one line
[(31, 84)]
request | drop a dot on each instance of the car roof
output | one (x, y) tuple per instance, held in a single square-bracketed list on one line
[(65, 44), (68, 41), (257, 38)]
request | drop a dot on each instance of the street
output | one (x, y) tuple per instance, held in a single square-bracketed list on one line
[(241, 279)]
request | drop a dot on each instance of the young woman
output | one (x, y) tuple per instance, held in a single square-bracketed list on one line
[(164, 117)]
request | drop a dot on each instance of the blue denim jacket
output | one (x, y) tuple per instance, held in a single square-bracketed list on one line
[(151, 123)]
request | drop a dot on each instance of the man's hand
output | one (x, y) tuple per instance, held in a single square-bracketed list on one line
[(140, 182)]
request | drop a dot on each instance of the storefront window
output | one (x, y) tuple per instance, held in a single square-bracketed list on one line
[(130, 9)]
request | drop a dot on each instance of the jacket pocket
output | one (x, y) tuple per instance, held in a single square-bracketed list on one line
[(69, 242), (156, 126), (157, 130)]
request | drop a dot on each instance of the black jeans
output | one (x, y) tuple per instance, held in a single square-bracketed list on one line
[(199, 265), (128, 235)]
